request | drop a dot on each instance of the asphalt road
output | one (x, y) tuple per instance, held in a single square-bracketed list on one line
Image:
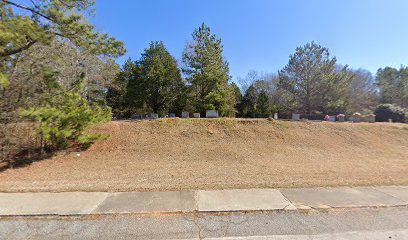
[(368, 223)]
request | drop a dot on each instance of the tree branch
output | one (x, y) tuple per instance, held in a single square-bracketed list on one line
[(17, 50), (28, 9)]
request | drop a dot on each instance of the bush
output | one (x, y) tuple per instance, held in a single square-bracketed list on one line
[(64, 119), (384, 112)]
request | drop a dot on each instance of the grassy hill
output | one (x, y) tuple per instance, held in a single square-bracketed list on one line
[(171, 154)]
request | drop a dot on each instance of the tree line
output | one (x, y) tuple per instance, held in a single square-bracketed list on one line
[(311, 83), (155, 83)]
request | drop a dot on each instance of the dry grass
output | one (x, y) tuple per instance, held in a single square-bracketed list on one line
[(172, 154)]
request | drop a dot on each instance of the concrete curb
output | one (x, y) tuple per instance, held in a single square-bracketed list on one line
[(303, 199)]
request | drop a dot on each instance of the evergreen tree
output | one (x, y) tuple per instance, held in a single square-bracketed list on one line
[(262, 104), (208, 73), (65, 115), (23, 24), (151, 84), (237, 96), (160, 78), (312, 82), (39, 21), (247, 108)]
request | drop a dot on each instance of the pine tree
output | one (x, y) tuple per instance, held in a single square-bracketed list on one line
[(65, 115), (313, 83), (49, 20), (208, 73)]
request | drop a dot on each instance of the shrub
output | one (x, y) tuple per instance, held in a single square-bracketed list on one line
[(64, 119), (384, 112)]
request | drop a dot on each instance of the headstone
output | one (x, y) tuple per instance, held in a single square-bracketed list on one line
[(136, 116), (196, 115), (341, 117), (172, 115), (357, 117), (275, 116), (371, 118), (153, 115), (390, 120), (211, 114), (145, 116), (332, 118), (295, 117), (185, 115)]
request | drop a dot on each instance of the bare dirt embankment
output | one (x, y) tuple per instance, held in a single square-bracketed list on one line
[(172, 154)]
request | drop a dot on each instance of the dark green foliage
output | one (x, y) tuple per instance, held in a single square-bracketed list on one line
[(393, 85), (160, 79), (238, 97), (208, 73), (312, 83), (151, 84), (384, 112), (254, 103), (247, 108), (262, 104)]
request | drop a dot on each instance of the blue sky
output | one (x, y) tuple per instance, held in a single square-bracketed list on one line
[(261, 34)]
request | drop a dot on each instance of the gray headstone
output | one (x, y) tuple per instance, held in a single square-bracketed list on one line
[(341, 117), (211, 114), (136, 116), (153, 115), (371, 118), (332, 118), (196, 115), (296, 117), (275, 116), (172, 115), (185, 115)]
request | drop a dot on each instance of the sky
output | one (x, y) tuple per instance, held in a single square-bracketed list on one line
[(261, 34)]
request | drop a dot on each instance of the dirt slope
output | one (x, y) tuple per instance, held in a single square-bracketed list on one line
[(172, 154)]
